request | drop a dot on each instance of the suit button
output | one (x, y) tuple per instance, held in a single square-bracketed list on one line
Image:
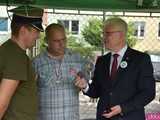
[(110, 93)]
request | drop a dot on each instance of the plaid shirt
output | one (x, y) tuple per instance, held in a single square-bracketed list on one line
[(58, 97)]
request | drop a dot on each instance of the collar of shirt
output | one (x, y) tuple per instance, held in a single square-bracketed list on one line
[(120, 53)]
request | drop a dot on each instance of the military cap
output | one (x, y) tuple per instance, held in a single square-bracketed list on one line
[(28, 15)]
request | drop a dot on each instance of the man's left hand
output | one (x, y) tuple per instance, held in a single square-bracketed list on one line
[(115, 110)]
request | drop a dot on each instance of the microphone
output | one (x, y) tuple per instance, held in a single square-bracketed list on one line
[(81, 74)]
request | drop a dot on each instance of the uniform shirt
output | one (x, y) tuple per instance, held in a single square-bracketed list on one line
[(15, 65)]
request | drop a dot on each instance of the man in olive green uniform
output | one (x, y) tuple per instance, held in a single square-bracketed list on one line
[(18, 92)]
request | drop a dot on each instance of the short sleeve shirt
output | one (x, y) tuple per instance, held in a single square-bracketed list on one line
[(16, 65), (58, 96)]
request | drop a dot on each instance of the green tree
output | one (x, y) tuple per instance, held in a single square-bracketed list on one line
[(78, 46), (42, 42), (131, 39), (92, 33)]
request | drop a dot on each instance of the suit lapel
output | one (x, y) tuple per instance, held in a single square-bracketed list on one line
[(123, 66), (105, 69), (107, 65)]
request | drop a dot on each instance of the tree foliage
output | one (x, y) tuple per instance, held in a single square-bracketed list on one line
[(79, 46), (42, 42), (92, 32), (131, 39)]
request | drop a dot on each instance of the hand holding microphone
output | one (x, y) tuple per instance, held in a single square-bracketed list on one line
[(80, 81), (81, 75)]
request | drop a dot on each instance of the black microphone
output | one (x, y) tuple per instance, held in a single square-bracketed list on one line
[(81, 74)]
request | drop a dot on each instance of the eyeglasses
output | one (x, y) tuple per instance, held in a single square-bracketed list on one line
[(112, 32)]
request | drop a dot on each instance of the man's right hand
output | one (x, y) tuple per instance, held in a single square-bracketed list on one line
[(80, 82)]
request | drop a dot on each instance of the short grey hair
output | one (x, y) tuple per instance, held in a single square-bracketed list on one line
[(116, 22)]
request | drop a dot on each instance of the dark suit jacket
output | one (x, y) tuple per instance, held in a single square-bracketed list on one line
[(132, 88)]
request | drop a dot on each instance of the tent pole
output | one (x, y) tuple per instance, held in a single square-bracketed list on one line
[(104, 17)]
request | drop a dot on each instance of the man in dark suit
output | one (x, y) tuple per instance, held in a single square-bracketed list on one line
[(123, 79)]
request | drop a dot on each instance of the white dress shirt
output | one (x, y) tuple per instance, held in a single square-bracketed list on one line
[(119, 59)]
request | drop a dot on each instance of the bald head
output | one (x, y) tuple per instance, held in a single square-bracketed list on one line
[(52, 28)]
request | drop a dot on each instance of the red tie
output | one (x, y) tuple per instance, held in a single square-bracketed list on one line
[(114, 66)]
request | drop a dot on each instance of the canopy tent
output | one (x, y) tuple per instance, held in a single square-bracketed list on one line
[(108, 5)]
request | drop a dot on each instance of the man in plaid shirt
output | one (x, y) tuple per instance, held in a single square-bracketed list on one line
[(57, 68)]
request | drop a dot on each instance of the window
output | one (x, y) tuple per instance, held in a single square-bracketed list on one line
[(75, 27), (71, 26), (3, 24), (156, 66), (65, 23), (139, 29)]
